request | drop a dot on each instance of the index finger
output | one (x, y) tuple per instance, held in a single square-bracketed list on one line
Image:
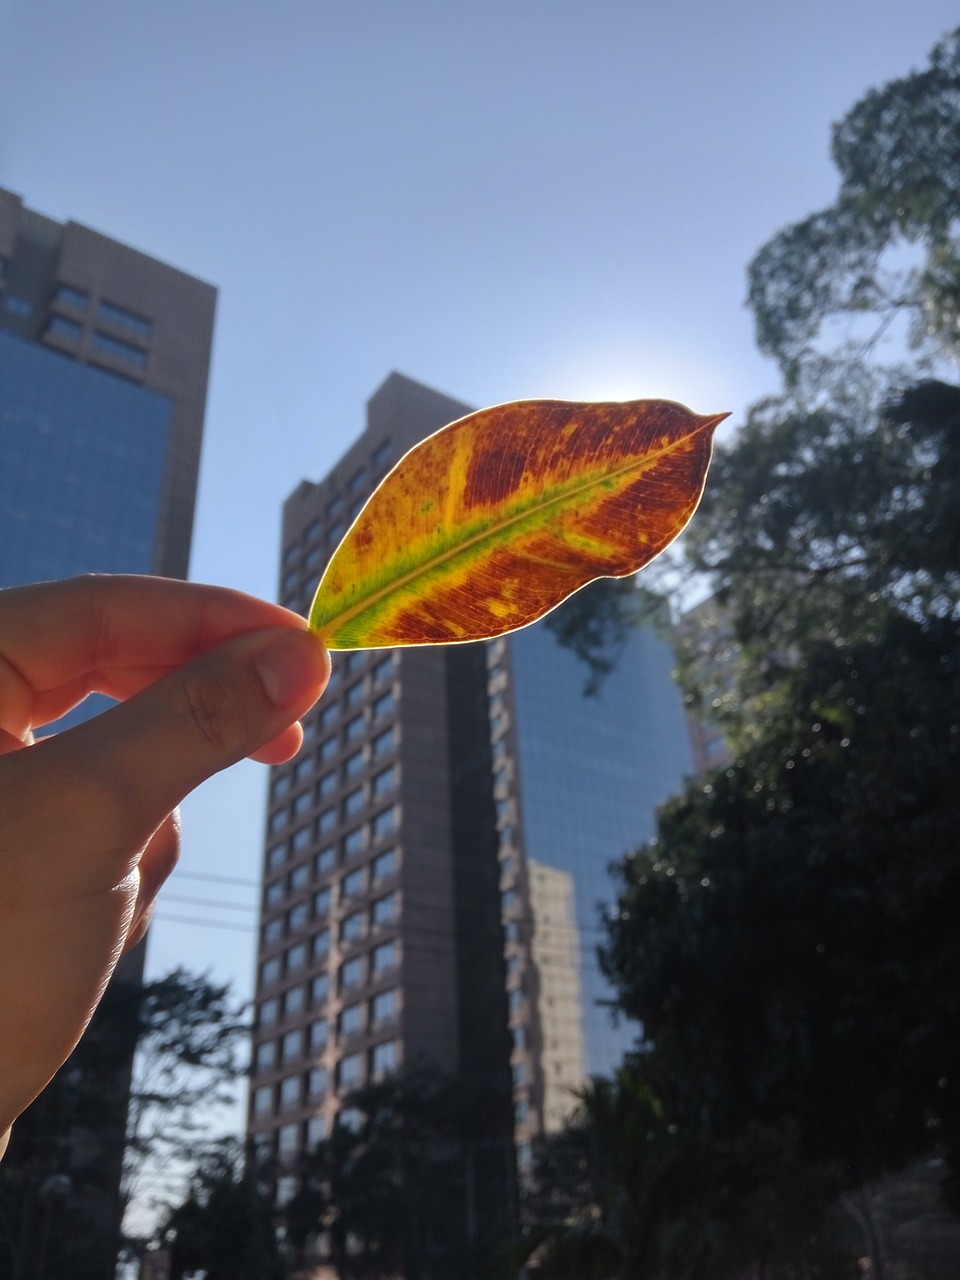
[(111, 633)]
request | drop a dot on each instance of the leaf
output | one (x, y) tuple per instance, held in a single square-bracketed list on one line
[(494, 520)]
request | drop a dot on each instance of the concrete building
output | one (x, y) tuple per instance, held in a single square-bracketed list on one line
[(435, 857), (104, 357)]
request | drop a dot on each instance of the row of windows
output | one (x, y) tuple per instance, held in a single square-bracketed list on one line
[(353, 928), (312, 1086), (289, 1138), (351, 806), (351, 846), (353, 885), (353, 766), (380, 961), (313, 1040), (118, 349)]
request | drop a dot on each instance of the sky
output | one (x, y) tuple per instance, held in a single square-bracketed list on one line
[(510, 199)]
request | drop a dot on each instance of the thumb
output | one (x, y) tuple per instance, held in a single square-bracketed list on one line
[(115, 778)]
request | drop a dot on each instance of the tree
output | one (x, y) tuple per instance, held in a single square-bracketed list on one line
[(412, 1181), (888, 246), (225, 1226)]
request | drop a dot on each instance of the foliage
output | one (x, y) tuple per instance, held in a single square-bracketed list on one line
[(410, 1182), (888, 246), (189, 1038), (225, 1227)]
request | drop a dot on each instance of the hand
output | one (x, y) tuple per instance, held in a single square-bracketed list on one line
[(88, 826)]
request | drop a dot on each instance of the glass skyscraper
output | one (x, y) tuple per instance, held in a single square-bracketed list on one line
[(104, 357)]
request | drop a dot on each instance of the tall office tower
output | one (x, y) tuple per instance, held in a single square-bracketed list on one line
[(104, 354), (435, 855)]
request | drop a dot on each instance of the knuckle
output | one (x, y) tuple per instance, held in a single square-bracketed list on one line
[(219, 712)]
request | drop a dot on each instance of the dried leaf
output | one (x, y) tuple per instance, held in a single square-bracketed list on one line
[(494, 520)]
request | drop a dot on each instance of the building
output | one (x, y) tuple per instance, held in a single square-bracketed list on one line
[(104, 357), (435, 856)]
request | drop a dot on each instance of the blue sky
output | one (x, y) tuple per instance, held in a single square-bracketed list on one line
[(506, 199)]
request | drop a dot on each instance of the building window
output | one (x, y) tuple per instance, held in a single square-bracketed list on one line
[(384, 1059), (508, 900), (353, 884), (291, 555), (272, 932), (269, 1013), (316, 1131), (356, 728), (69, 296), (385, 958), (356, 693), (300, 877), (385, 782), (319, 1035), (64, 328), (275, 893), (125, 319), (385, 824), (355, 659), (498, 724), (519, 1075), (358, 480), (119, 350), (313, 531), (351, 974), (314, 559), (270, 971), (385, 910), (353, 927), (327, 786), (320, 988), (288, 1139), (351, 1020), (521, 1113), (266, 1055), (309, 731), (321, 903), (329, 715), (516, 1000), (280, 787), (519, 1037), (321, 944), (296, 957), (384, 706), (289, 1092), (278, 821), (383, 670), (354, 803), (329, 749), (263, 1100), (383, 1008), (384, 866), (381, 454), (293, 1002), (354, 842), (301, 804), (325, 861), (297, 917), (336, 532), (384, 742), (327, 822), (317, 1083), (301, 840), (507, 868), (18, 307), (291, 1047), (276, 857), (354, 765), (350, 1071)]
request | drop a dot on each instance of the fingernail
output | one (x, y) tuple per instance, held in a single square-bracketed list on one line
[(291, 666)]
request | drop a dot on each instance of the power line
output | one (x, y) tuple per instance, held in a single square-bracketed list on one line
[(204, 924), (203, 875), (210, 902)]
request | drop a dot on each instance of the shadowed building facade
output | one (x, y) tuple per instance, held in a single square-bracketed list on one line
[(104, 358)]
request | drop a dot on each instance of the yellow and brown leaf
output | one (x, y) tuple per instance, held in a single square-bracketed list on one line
[(493, 521)]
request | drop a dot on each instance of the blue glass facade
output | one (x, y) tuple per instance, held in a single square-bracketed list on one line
[(82, 463), (592, 772)]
